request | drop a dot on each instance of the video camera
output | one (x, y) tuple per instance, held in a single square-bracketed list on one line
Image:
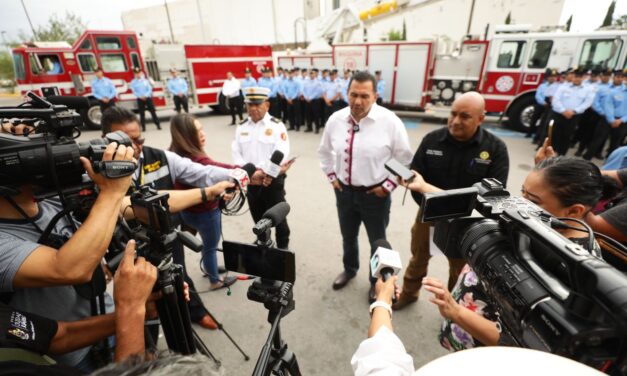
[(49, 157), (552, 294)]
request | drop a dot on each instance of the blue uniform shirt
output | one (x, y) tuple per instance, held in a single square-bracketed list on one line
[(344, 89), (615, 104), (571, 97), (268, 83), (278, 83), (312, 89), (291, 89), (177, 86), (331, 89), (541, 93), (141, 88), (380, 88), (599, 98), (103, 88), (249, 82), (551, 89)]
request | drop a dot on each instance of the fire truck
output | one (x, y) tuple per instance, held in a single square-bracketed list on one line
[(507, 69), (57, 68)]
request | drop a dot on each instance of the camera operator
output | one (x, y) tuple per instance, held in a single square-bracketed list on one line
[(38, 277), (564, 187), (160, 169), (29, 337), (454, 157)]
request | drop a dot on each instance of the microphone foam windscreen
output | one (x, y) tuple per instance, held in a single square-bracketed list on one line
[(277, 213)]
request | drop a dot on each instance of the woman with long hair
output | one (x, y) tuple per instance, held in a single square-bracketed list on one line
[(188, 140)]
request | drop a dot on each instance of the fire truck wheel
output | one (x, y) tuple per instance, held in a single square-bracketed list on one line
[(520, 113), (91, 117)]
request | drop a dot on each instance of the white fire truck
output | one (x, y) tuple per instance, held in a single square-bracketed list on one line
[(507, 69), (57, 68)]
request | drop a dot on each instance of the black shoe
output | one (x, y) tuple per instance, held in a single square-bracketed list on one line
[(221, 269), (158, 127), (308, 130), (372, 296), (317, 131), (341, 280), (232, 124), (528, 135), (291, 129)]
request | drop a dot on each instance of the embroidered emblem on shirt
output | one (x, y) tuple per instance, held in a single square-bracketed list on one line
[(19, 333), (283, 136), (153, 166), (484, 155), (269, 132)]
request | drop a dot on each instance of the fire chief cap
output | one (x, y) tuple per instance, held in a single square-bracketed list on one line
[(256, 94)]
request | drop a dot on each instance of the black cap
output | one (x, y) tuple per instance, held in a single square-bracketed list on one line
[(137, 70), (304, 70), (595, 72), (550, 72), (578, 72), (325, 71), (315, 70), (280, 69), (98, 69), (377, 72), (334, 71), (606, 72)]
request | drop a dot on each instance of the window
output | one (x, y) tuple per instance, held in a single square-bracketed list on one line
[(130, 42), (135, 60), (540, 53), (86, 45), (600, 53), (18, 66), (87, 62), (34, 64), (336, 4), (510, 55), (113, 63), (51, 64), (108, 43)]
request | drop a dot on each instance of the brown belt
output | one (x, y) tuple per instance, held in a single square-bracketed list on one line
[(359, 188)]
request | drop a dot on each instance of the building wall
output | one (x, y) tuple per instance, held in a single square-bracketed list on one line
[(225, 22)]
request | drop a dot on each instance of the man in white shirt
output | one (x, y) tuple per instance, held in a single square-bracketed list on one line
[(356, 143), (231, 89), (256, 139)]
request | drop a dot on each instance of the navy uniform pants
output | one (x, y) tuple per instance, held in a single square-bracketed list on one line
[(355, 207)]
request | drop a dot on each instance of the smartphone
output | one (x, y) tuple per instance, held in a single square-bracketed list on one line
[(399, 170), (293, 159), (269, 263), (550, 132)]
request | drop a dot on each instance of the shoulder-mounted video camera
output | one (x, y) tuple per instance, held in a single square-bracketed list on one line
[(47, 155), (552, 294)]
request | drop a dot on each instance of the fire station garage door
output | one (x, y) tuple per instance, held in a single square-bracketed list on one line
[(382, 58)]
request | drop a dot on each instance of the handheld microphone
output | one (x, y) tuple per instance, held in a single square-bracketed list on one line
[(242, 176), (385, 262), (272, 217), (273, 168)]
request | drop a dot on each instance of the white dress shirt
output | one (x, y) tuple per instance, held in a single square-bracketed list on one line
[(382, 354), (231, 87), (356, 153), (255, 142)]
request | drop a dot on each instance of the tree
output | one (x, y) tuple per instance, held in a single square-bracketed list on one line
[(6, 66), (609, 15), (67, 29), (569, 22), (404, 36), (621, 21), (508, 19), (395, 35)]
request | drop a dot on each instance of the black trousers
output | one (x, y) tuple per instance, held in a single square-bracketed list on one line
[(617, 136), (601, 133), (260, 199), (104, 106), (196, 308), (181, 102), (329, 110), (293, 114), (379, 101), (142, 105), (563, 131), (353, 209), (585, 131), (236, 106), (283, 109), (538, 111), (302, 108), (313, 113), (275, 107)]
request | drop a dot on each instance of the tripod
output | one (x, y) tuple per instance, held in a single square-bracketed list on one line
[(278, 298)]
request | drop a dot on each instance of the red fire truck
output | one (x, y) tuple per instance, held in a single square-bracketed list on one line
[(56, 68)]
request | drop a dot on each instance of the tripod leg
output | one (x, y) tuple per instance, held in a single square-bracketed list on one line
[(221, 327), (173, 311), (203, 349)]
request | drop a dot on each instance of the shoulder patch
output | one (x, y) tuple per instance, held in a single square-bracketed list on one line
[(275, 120), (243, 122)]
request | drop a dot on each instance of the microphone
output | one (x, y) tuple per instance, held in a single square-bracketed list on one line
[(241, 176), (385, 262), (74, 102), (272, 217), (274, 167)]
